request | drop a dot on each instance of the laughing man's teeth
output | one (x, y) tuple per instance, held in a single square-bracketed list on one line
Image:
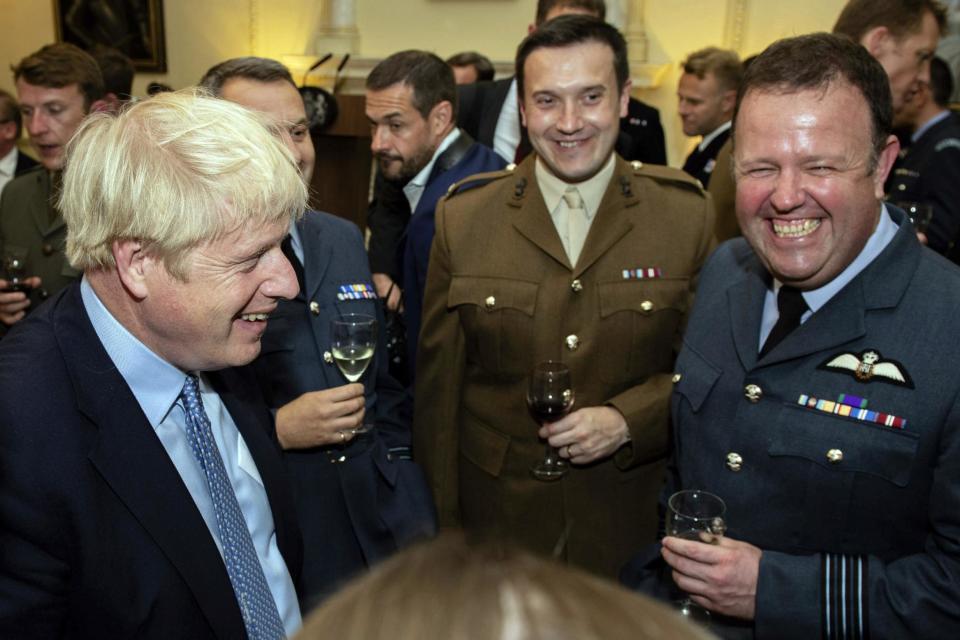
[(795, 228), (253, 317), (568, 145)]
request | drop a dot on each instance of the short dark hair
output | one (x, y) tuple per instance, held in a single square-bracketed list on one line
[(10, 111), (117, 70), (941, 82), (724, 64), (59, 65), (596, 8), (476, 60), (430, 78), (248, 68), (568, 30), (785, 67), (900, 17)]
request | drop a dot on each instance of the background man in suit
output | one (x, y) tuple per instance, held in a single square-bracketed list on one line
[(471, 66), (806, 397), (358, 498), (901, 34), (575, 256), (117, 71), (57, 87), (411, 102), (490, 112), (928, 171), (706, 95), (12, 162), (142, 492)]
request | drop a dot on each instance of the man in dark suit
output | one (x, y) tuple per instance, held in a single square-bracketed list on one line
[(142, 493), (360, 498), (12, 162), (816, 391), (927, 173), (575, 256), (706, 94), (411, 101), (57, 87), (489, 112)]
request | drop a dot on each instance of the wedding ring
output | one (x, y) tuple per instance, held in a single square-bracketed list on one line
[(343, 437)]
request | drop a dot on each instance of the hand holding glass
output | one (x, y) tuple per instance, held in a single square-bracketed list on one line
[(353, 339), (549, 398), (695, 515)]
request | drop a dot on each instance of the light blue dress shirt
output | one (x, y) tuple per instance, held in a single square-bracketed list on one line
[(816, 298), (156, 384)]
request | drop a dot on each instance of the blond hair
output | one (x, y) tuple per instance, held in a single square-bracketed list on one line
[(447, 589), (173, 172)]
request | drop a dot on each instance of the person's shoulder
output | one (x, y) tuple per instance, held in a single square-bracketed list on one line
[(329, 223), (639, 109), (668, 177), (26, 183), (481, 185), (948, 136)]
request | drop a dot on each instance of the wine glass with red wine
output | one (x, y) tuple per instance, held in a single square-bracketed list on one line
[(549, 398)]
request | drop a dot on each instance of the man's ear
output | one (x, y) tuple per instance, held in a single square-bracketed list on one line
[(729, 101), (441, 115), (887, 157), (625, 97), (99, 105), (876, 41), (133, 265)]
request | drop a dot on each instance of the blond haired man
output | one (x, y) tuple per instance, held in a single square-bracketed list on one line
[(142, 495)]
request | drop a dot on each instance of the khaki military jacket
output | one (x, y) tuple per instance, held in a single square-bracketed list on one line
[(502, 296)]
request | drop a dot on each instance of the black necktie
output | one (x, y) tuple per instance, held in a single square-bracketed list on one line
[(287, 247), (792, 306)]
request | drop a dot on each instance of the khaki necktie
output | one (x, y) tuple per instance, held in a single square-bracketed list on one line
[(577, 225)]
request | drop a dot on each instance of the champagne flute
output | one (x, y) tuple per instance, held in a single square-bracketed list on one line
[(353, 339), (695, 515), (549, 398)]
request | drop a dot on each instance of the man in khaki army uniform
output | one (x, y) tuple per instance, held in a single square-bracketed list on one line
[(574, 256), (57, 87)]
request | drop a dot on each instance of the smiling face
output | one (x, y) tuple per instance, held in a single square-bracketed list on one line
[(51, 115), (281, 101), (907, 60), (216, 317), (702, 104), (808, 197), (402, 140), (572, 107)]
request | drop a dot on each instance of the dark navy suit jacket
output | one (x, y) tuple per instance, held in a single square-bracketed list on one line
[(99, 537), (477, 159), (357, 504)]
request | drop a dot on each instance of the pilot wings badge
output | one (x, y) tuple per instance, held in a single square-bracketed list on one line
[(870, 366)]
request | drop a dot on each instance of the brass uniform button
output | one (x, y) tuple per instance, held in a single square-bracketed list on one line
[(753, 393), (637, 165), (835, 456), (734, 461), (576, 286), (510, 167), (328, 357), (44, 294), (573, 342), (315, 307), (47, 249), (902, 187), (490, 302), (677, 377), (646, 306)]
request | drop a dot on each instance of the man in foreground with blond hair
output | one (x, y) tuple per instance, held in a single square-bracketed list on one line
[(140, 492)]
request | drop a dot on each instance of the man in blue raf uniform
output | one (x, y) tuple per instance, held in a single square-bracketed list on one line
[(359, 498), (928, 172), (804, 396)]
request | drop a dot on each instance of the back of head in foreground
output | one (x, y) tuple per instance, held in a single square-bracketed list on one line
[(445, 589)]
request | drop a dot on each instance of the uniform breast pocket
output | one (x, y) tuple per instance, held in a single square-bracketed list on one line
[(639, 321), (496, 315)]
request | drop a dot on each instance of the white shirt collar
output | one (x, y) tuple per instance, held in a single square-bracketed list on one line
[(414, 189), (922, 129), (710, 137), (591, 190), (8, 164)]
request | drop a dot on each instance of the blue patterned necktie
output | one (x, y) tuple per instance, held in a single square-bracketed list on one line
[(257, 605)]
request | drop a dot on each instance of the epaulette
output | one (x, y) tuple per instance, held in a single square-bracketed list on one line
[(661, 173), (479, 180)]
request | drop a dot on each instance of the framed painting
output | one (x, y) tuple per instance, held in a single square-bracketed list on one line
[(134, 27)]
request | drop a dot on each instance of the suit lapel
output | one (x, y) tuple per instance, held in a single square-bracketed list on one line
[(533, 221), (745, 299), (317, 252), (613, 219), (132, 461)]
